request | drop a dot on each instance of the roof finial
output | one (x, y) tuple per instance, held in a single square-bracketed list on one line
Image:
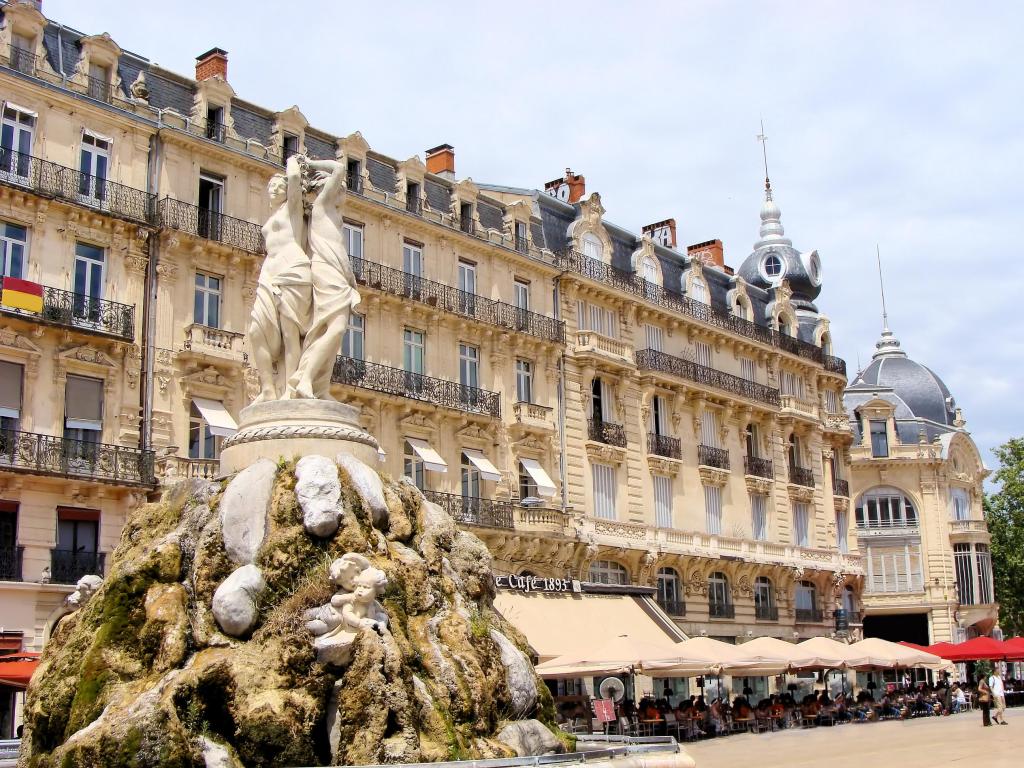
[(887, 344), (881, 286), (764, 153)]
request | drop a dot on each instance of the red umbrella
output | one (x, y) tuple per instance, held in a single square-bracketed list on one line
[(1016, 644), (916, 647), (979, 648)]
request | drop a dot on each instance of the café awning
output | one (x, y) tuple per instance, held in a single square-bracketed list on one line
[(876, 653), (545, 486), (766, 656), (221, 423), (696, 656), (821, 653), (431, 459), (487, 470), (16, 670)]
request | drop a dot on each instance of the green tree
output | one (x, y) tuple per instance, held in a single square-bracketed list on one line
[(1004, 510)]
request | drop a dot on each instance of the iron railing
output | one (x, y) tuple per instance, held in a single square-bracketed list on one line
[(834, 364), (211, 225), (721, 610), (10, 563), (758, 467), (448, 299), (663, 445), (216, 132), (653, 360), (801, 476), (99, 89), (414, 205), (472, 510), (840, 487), (630, 282), (354, 182), (606, 432), (713, 457), (34, 453), (23, 61), (58, 181), (808, 614), (672, 607), (83, 313), (522, 244), (766, 612), (416, 386), (68, 566)]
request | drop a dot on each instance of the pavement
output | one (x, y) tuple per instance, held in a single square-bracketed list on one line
[(926, 742)]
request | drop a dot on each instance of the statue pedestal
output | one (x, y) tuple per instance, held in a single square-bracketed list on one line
[(293, 429)]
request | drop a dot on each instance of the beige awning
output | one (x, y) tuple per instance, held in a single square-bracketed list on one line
[(875, 653), (487, 470), (220, 422), (821, 653), (766, 656), (545, 487), (556, 624), (431, 459), (696, 656)]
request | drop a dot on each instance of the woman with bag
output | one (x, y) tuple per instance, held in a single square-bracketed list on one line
[(984, 700)]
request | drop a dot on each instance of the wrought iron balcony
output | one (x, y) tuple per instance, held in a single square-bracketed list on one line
[(23, 61), (630, 282), (801, 476), (522, 244), (67, 566), (840, 487), (472, 510), (216, 132), (416, 386), (672, 607), (98, 88), (758, 467), (37, 454), (834, 364), (653, 360), (414, 205), (10, 563), (354, 183), (211, 225), (766, 612), (448, 299), (808, 614), (713, 457), (94, 192), (663, 445), (721, 610), (83, 313), (606, 432)]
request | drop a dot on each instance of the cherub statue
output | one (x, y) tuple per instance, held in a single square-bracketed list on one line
[(351, 610)]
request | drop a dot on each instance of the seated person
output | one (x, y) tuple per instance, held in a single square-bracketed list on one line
[(959, 699)]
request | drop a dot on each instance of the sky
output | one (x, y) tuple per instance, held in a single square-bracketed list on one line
[(899, 124)]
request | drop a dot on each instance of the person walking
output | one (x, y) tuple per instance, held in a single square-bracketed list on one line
[(984, 701), (995, 683)]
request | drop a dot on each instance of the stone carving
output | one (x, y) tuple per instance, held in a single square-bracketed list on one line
[(86, 587), (305, 290), (351, 610)]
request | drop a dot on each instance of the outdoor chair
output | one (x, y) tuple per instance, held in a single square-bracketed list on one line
[(672, 725), (626, 726)]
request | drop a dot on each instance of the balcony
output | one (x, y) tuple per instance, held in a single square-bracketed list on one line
[(172, 468), (215, 342), (67, 566), (37, 454), (533, 415), (23, 61), (98, 88), (448, 299), (653, 360), (354, 183), (834, 364), (414, 205), (712, 457), (603, 347), (721, 611), (840, 487), (211, 225), (415, 386), (672, 607), (10, 563), (758, 467), (216, 132), (470, 510), (630, 282), (663, 445), (808, 615), (83, 313), (94, 192), (968, 526), (766, 612), (801, 476), (606, 432)]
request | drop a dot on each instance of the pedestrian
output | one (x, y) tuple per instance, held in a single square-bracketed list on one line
[(984, 700), (995, 683)]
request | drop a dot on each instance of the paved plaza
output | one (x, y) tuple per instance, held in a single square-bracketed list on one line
[(925, 742)]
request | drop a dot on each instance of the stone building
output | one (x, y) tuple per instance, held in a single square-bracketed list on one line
[(917, 480)]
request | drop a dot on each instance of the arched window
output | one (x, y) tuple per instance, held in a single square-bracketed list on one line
[(719, 600), (698, 290), (593, 248), (608, 572), (764, 600), (885, 508), (741, 308), (669, 592), (806, 602), (649, 270)]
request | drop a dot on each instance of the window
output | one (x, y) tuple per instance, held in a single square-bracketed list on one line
[(413, 348), (413, 204), (77, 530), (601, 400), (202, 443), (16, 136), (885, 508), (412, 259), (897, 568), (353, 234), (764, 599), (806, 602), (466, 217), (289, 146), (13, 243), (352, 343), (709, 429), (771, 266), (753, 443), (984, 559), (659, 415), (759, 516), (740, 308), (702, 354), (22, 56), (207, 300), (11, 377), (522, 243), (795, 451), (662, 500), (961, 503), (603, 476), (831, 401), (521, 294), (527, 485), (211, 205), (748, 369), (470, 478), (879, 439), (842, 530), (592, 247), (467, 286), (354, 176), (670, 592), (83, 418), (801, 532), (413, 466), (792, 384), (215, 123), (93, 163), (719, 599), (698, 291), (849, 601), (99, 81), (608, 572), (713, 509), (88, 282), (591, 317), (650, 271), (524, 381), (655, 337)]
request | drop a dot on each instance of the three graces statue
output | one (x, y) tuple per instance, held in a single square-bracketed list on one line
[(306, 288)]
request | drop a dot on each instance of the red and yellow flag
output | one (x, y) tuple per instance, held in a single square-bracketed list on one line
[(22, 294)]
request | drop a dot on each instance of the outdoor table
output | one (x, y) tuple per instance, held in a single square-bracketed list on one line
[(647, 727)]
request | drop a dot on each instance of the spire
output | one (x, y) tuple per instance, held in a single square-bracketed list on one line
[(887, 345), (771, 231)]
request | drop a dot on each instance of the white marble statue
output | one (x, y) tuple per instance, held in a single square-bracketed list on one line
[(306, 288), (354, 608), (86, 587)]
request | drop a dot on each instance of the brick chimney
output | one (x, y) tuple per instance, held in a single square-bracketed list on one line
[(662, 232), (570, 189), (213, 63), (441, 161), (710, 252)]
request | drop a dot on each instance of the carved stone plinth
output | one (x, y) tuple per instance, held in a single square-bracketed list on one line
[(296, 428)]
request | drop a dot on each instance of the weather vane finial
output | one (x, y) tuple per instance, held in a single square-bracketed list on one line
[(881, 286), (764, 152)]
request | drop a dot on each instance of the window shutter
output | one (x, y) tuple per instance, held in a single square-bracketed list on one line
[(83, 402), (11, 376), (662, 501), (713, 508)]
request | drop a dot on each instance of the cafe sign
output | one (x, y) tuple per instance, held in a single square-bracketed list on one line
[(537, 584)]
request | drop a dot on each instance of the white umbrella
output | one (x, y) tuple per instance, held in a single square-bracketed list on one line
[(821, 653), (875, 653), (614, 656)]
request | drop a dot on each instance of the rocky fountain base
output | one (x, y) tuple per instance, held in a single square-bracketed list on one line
[(300, 613)]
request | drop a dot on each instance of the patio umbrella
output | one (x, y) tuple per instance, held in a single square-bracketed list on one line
[(613, 656), (820, 653), (1016, 645), (876, 653), (764, 656), (693, 657), (16, 669), (982, 648)]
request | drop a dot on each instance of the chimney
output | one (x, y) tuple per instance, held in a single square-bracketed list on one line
[(711, 253), (571, 189), (662, 232), (213, 63), (441, 161)]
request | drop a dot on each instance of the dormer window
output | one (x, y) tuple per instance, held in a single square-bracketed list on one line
[(412, 197), (592, 247), (215, 123), (466, 217), (99, 82), (354, 176), (289, 147), (698, 291), (879, 439), (22, 57), (522, 244)]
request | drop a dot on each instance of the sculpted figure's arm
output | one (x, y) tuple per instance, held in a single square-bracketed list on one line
[(355, 617)]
